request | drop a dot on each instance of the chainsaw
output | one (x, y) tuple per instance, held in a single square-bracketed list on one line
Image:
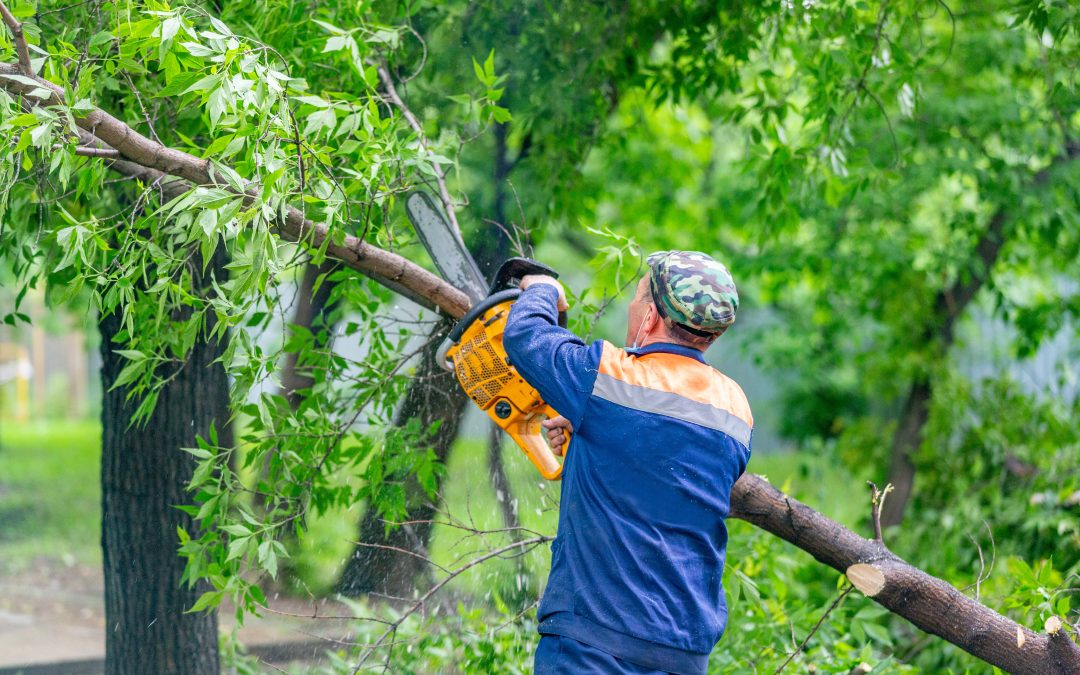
[(474, 350)]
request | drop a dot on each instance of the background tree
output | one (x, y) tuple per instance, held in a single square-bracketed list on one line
[(144, 478)]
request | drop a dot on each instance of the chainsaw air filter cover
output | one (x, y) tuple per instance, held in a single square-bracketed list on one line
[(482, 368)]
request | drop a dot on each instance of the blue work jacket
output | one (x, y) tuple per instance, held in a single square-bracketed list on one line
[(659, 439)]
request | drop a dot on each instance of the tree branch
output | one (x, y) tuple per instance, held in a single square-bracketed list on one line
[(21, 48), (150, 160)]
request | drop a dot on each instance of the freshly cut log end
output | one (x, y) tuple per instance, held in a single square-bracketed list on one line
[(867, 578), (1053, 625)]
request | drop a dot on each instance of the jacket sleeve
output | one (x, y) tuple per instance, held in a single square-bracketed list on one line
[(552, 359)]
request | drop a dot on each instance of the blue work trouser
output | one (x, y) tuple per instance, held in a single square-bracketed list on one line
[(558, 655)]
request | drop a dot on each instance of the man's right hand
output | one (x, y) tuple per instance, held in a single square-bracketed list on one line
[(558, 428), (533, 279)]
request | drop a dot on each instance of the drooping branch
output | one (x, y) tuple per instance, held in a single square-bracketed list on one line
[(930, 603), (151, 160)]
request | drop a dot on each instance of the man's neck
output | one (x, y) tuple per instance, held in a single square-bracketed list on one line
[(655, 338)]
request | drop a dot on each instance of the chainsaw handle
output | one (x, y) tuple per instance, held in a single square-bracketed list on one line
[(477, 310), (531, 437)]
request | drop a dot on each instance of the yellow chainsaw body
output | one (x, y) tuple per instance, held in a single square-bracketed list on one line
[(482, 368)]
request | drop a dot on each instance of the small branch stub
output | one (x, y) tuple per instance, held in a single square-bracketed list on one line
[(1020, 640), (1053, 625), (867, 578), (877, 503)]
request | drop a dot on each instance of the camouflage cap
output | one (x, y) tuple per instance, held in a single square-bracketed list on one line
[(694, 291)]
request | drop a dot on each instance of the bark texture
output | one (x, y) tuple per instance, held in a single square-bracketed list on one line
[(143, 477), (929, 603)]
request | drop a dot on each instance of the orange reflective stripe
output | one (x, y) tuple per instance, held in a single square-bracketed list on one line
[(677, 374)]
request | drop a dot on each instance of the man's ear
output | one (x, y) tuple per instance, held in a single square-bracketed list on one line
[(652, 319)]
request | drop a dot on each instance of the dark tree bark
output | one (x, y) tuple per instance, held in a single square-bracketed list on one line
[(433, 397), (143, 477)]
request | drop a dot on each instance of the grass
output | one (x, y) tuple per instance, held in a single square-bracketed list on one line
[(50, 506), (50, 495)]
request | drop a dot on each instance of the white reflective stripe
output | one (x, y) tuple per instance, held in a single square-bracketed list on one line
[(671, 405)]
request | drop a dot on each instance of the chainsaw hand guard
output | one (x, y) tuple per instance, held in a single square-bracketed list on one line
[(479, 361)]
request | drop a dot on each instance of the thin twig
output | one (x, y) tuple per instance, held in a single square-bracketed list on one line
[(877, 502), (814, 630), (102, 153), (888, 123), (520, 545), (883, 14), (21, 48), (414, 123), (405, 551)]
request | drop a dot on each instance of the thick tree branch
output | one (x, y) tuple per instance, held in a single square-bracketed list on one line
[(926, 601), (149, 160)]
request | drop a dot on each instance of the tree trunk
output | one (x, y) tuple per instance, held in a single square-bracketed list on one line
[(948, 308), (311, 312), (143, 477), (433, 397), (906, 441), (949, 305)]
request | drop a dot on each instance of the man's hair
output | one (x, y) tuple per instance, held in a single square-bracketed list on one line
[(683, 336)]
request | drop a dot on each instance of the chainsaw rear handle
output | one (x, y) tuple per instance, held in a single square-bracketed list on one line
[(531, 436)]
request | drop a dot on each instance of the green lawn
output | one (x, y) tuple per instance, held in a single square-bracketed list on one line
[(50, 506), (50, 496)]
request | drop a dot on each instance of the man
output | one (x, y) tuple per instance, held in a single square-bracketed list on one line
[(658, 439)]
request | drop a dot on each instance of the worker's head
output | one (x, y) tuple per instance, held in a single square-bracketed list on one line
[(686, 298)]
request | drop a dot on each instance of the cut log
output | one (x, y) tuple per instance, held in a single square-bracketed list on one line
[(931, 604)]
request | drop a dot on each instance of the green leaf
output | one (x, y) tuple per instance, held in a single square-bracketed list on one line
[(208, 600), (237, 547)]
